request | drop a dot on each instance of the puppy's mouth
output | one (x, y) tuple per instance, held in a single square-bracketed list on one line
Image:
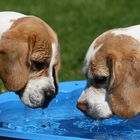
[(95, 115), (35, 98), (96, 112)]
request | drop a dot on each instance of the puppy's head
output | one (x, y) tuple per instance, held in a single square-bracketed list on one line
[(30, 59), (112, 66)]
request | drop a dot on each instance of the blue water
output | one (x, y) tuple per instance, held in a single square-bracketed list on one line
[(63, 118)]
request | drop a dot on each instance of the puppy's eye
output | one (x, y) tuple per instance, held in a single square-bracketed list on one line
[(38, 65), (100, 79)]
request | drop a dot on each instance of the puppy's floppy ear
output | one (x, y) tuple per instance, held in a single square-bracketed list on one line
[(13, 68), (124, 91)]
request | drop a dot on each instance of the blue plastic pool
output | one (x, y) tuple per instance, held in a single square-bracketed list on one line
[(61, 120)]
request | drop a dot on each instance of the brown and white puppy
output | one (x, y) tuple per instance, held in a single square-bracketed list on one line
[(29, 58), (112, 69)]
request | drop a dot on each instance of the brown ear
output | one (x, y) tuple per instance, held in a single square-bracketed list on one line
[(124, 92), (13, 64)]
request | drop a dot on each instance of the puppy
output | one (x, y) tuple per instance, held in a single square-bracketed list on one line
[(29, 58), (112, 70)]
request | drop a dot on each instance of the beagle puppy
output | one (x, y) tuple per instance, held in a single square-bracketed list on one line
[(112, 70), (29, 58)]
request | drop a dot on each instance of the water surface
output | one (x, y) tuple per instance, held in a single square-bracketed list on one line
[(64, 119)]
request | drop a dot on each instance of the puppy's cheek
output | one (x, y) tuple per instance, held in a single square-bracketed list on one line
[(121, 109)]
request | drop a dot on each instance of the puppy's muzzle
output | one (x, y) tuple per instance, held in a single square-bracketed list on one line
[(38, 93), (94, 103)]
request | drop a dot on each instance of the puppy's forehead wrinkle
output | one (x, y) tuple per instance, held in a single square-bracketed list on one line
[(42, 45), (38, 74), (90, 55), (41, 56), (99, 70), (42, 51)]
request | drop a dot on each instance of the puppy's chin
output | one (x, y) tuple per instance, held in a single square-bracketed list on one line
[(33, 99), (96, 117), (97, 114)]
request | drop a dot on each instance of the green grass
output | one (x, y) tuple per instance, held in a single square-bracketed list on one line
[(77, 23)]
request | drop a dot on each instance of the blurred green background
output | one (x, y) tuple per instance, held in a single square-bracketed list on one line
[(77, 23)]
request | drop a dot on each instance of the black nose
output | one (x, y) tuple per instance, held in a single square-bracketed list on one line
[(50, 93), (48, 96), (46, 102)]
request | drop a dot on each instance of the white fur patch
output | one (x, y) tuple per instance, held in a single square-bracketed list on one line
[(53, 60), (33, 95), (96, 99), (89, 56), (133, 31), (7, 19)]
